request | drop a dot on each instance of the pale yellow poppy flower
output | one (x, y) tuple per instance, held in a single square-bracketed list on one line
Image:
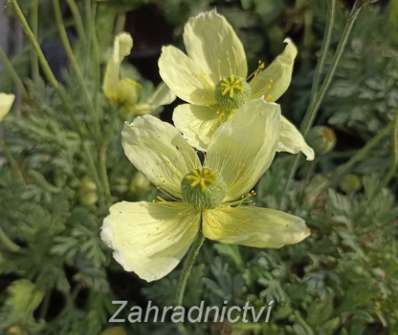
[(6, 101), (213, 78), (125, 92), (150, 239)]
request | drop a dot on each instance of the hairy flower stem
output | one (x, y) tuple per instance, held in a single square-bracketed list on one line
[(75, 66), (104, 174), (394, 163), (315, 103), (35, 44), (44, 64), (77, 18), (12, 72), (34, 22), (94, 174), (120, 23), (186, 272), (324, 51), (91, 9)]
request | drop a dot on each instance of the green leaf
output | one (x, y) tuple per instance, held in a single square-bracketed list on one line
[(23, 297)]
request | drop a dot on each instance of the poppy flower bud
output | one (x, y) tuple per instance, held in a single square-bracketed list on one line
[(350, 183), (322, 139)]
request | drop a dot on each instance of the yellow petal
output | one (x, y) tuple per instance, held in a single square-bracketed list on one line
[(122, 47), (254, 227), (160, 97), (275, 79), (197, 123), (150, 239), (211, 42), (158, 150), (6, 101), (292, 141), (185, 78), (243, 148)]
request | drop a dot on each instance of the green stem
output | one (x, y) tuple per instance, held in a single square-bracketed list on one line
[(313, 109), (12, 161), (91, 10), (34, 21), (324, 50), (12, 72), (104, 173), (39, 179), (187, 268), (361, 154), (94, 173), (44, 64), (394, 162), (8, 243), (308, 330), (312, 112), (35, 44), (22, 57), (77, 18), (394, 165), (74, 63), (185, 274), (120, 23)]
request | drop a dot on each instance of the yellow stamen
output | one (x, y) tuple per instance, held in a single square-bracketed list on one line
[(260, 68), (231, 85), (243, 199), (202, 178)]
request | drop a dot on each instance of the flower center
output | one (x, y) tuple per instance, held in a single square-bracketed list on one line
[(232, 92), (231, 86), (203, 188)]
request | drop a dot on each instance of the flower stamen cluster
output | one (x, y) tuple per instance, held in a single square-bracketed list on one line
[(201, 177), (232, 92), (231, 85), (203, 188)]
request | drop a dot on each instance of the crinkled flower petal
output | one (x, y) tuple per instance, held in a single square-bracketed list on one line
[(150, 239), (211, 42), (292, 141), (272, 82), (159, 151), (6, 101), (253, 227), (185, 78), (197, 123), (243, 148)]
